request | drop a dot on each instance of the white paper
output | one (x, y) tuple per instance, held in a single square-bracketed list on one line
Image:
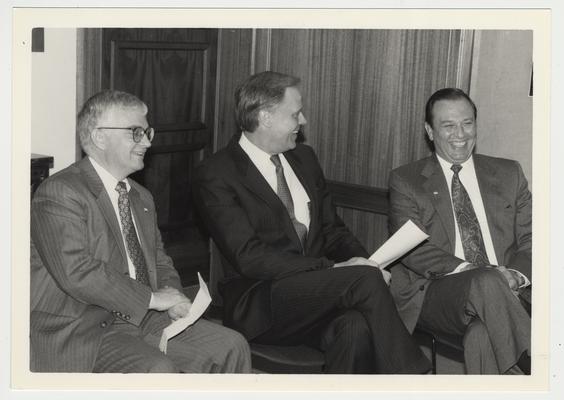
[(200, 304), (405, 239)]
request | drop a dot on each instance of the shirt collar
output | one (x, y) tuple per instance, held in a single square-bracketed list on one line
[(445, 165), (253, 151), (109, 181)]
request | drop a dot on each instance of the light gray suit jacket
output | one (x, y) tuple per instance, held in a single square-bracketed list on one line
[(419, 191), (79, 275)]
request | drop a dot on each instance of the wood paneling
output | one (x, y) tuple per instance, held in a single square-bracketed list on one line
[(174, 72), (359, 197), (364, 95), (234, 66), (367, 207), (88, 70)]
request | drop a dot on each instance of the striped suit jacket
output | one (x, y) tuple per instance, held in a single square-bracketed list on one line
[(419, 191), (79, 274), (255, 235)]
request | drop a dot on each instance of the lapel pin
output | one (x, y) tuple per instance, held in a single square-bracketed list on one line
[(144, 209), (435, 193)]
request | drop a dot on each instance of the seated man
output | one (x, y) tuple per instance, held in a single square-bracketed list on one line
[(102, 287), (265, 202), (477, 211)]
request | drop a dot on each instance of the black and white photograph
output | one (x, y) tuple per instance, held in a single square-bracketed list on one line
[(269, 200)]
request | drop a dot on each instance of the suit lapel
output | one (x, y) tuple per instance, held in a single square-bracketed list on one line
[(255, 182), (490, 191), (437, 189), (104, 203), (251, 176)]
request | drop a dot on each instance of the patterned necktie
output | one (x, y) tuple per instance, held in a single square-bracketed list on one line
[(130, 235), (283, 192), (468, 225)]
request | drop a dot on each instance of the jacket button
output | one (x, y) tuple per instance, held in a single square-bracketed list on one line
[(103, 324), (422, 287), (127, 317)]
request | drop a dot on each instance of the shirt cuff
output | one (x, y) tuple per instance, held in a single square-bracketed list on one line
[(460, 268), (524, 279)]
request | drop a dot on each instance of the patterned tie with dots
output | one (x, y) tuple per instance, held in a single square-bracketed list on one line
[(468, 225), (283, 192), (130, 235)]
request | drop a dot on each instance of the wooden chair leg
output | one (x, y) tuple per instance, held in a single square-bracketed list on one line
[(434, 355)]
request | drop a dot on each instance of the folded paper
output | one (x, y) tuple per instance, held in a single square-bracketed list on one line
[(405, 239), (199, 305)]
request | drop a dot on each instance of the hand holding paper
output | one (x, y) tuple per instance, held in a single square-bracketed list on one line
[(405, 239), (200, 304)]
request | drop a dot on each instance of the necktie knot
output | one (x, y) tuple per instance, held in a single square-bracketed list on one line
[(456, 168), (276, 161), (121, 188)]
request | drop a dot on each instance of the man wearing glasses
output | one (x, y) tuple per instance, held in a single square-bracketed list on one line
[(102, 286)]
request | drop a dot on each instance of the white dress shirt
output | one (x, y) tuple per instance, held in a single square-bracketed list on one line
[(110, 184), (261, 160), (467, 176)]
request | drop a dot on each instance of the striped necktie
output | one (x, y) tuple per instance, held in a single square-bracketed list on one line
[(285, 196)]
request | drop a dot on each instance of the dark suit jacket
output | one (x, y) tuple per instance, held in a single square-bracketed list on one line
[(254, 233), (419, 191), (79, 272)]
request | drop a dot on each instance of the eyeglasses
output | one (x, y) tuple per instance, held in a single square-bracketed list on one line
[(136, 132)]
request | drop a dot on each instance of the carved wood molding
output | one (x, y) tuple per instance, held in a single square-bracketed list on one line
[(177, 148), (359, 197)]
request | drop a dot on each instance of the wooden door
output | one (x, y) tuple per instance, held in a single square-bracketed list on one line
[(173, 72)]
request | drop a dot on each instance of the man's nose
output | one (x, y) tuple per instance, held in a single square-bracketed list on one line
[(302, 119), (459, 130), (145, 141)]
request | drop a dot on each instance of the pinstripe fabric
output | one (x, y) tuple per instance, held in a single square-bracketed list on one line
[(254, 233), (451, 303), (127, 349), (79, 276), (275, 293), (423, 291), (322, 308), (419, 191)]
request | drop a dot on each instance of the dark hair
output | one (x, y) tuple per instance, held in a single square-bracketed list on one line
[(446, 94), (260, 91), (97, 105)]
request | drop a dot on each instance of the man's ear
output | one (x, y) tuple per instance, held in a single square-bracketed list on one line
[(265, 118), (429, 131), (99, 139)]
